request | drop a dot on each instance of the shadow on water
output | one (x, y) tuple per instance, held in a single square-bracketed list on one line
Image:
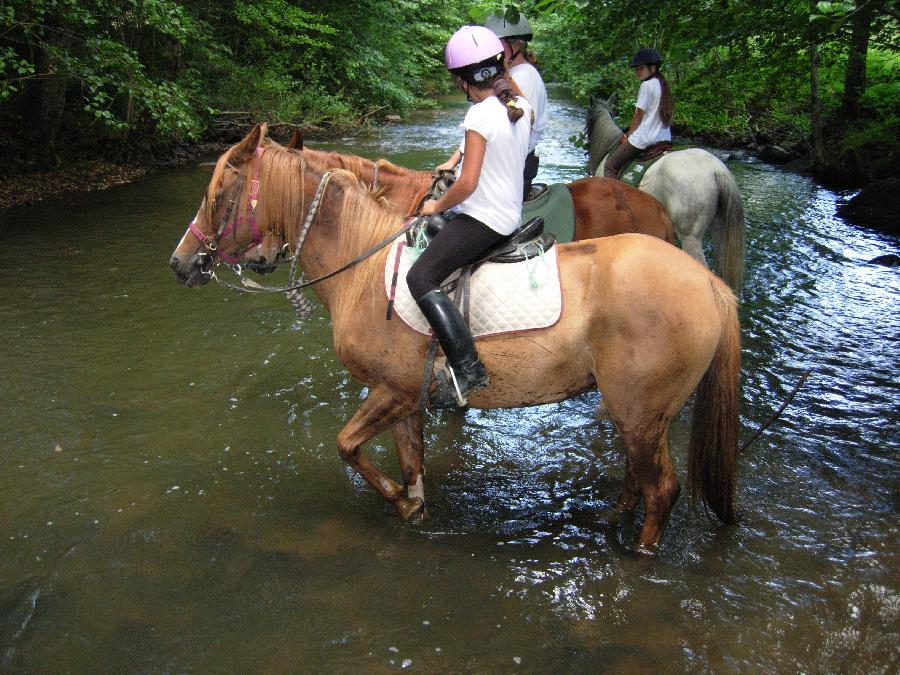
[(173, 499)]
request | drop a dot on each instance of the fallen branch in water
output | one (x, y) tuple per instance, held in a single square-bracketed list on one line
[(777, 414)]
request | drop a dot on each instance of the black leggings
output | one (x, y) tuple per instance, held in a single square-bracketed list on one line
[(461, 241), (532, 162)]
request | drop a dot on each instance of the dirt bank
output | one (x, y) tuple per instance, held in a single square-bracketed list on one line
[(29, 188)]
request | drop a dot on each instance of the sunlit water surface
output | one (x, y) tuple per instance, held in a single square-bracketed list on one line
[(172, 500)]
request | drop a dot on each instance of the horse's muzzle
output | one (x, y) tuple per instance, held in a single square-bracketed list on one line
[(192, 271)]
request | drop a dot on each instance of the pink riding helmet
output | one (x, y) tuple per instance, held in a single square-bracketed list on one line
[(471, 45)]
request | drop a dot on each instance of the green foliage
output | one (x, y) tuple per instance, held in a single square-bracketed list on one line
[(150, 73), (737, 70), (126, 74)]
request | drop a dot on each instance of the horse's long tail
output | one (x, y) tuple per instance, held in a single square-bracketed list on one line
[(728, 230), (712, 453)]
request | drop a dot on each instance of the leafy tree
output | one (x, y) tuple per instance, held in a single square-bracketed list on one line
[(122, 75), (791, 71)]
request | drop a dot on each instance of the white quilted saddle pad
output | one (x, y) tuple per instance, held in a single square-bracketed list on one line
[(502, 297)]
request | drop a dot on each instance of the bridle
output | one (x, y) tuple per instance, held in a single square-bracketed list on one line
[(253, 287), (291, 290), (440, 183), (226, 227)]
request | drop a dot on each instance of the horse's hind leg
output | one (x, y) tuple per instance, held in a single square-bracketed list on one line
[(382, 408), (411, 454), (650, 475), (631, 491), (692, 244)]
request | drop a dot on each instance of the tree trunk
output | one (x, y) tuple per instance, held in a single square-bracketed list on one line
[(855, 77), (50, 96), (815, 103)]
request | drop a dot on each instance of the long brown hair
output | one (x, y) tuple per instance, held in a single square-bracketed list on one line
[(666, 103)]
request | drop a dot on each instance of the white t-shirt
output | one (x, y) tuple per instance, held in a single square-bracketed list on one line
[(532, 86), (651, 129), (497, 201)]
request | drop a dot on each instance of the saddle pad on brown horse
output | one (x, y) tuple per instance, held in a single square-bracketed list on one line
[(503, 297)]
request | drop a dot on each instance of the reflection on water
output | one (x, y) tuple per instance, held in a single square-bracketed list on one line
[(172, 498)]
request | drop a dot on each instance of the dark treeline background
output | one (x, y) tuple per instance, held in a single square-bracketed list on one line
[(138, 79)]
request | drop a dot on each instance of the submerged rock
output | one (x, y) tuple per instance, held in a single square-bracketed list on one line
[(877, 205), (888, 260), (775, 154)]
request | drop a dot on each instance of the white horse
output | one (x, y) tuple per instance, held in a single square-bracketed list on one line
[(694, 186)]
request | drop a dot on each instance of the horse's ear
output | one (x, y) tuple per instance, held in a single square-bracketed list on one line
[(296, 140), (611, 101), (245, 149)]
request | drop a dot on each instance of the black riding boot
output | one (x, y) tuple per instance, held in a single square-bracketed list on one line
[(459, 348)]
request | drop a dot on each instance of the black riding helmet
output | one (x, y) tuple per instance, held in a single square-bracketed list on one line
[(646, 56)]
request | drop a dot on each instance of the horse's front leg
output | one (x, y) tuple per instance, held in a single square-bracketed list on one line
[(411, 454), (381, 409)]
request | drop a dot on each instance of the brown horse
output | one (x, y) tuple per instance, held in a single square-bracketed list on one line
[(603, 206), (643, 322)]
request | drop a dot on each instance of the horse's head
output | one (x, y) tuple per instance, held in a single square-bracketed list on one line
[(601, 128), (225, 227), (599, 108)]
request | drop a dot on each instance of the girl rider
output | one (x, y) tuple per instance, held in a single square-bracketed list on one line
[(519, 63), (652, 115), (487, 198)]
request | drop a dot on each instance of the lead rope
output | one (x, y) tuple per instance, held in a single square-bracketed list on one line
[(806, 373), (531, 268), (301, 304)]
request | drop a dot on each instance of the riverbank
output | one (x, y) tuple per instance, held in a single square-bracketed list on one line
[(31, 187), (34, 186), (28, 185)]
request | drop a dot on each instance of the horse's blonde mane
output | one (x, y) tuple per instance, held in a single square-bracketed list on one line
[(362, 220)]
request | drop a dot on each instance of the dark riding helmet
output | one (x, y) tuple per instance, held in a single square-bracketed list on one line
[(646, 56)]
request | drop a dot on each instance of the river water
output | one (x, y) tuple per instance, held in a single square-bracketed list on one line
[(171, 498)]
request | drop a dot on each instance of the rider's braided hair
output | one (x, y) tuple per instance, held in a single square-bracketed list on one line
[(503, 91)]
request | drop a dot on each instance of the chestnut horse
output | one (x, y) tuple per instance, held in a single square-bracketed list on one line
[(603, 207), (643, 322)]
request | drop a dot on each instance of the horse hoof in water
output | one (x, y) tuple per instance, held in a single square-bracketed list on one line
[(646, 551), (411, 510)]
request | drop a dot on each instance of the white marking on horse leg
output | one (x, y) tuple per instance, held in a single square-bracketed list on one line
[(416, 488)]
